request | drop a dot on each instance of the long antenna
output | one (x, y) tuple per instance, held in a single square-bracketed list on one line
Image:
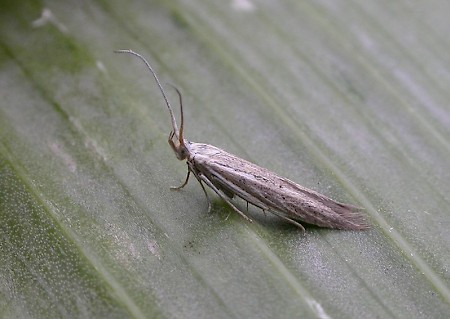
[(181, 111), (174, 123)]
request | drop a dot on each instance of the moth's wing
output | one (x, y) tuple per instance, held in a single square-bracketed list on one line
[(269, 191), (321, 210)]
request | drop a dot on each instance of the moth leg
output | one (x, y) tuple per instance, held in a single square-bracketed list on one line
[(227, 200), (207, 197), (289, 220), (184, 184), (264, 212), (204, 190)]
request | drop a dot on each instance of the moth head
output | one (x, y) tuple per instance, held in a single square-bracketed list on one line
[(179, 147)]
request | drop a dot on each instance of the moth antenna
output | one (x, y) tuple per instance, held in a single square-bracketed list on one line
[(174, 123), (181, 138)]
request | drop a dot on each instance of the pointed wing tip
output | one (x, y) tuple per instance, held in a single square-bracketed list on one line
[(357, 222)]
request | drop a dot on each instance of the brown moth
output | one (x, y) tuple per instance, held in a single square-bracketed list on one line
[(228, 175)]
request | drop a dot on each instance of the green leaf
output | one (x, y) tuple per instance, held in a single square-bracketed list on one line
[(350, 99)]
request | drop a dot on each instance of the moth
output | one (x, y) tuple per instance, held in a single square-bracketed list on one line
[(228, 176)]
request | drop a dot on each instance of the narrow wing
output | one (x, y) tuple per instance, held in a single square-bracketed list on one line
[(271, 192)]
